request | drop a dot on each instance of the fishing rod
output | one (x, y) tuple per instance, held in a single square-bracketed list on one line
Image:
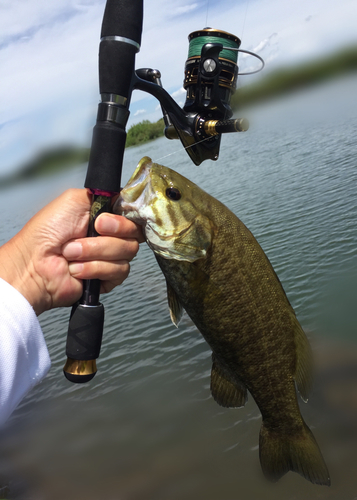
[(211, 73)]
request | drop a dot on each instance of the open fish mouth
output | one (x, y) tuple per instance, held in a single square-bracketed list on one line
[(137, 183), (137, 193)]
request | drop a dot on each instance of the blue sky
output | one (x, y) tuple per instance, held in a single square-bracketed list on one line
[(49, 49)]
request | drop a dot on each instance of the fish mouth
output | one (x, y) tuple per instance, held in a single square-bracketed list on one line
[(137, 193), (138, 181)]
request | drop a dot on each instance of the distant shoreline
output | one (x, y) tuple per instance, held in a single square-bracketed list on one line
[(289, 79), (278, 82)]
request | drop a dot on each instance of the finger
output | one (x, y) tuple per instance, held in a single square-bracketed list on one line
[(106, 271), (117, 225), (107, 286), (105, 248)]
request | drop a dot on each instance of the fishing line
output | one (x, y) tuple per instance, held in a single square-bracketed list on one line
[(207, 13), (245, 17), (181, 150)]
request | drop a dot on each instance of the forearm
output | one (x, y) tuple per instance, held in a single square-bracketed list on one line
[(24, 359)]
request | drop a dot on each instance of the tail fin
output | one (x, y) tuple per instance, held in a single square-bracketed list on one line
[(299, 453)]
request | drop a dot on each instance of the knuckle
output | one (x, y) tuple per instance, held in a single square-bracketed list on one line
[(125, 270), (135, 247), (107, 286), (116, 272)]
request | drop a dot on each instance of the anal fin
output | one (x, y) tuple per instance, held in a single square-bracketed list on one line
[(226, 392)]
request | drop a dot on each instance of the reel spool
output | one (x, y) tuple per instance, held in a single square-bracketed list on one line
[(211, 72)]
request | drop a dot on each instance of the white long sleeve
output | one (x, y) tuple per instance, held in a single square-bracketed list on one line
[(24, 358)]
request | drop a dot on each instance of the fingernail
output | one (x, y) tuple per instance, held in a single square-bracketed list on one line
[(72, 250), (75, 268), (107, 224)]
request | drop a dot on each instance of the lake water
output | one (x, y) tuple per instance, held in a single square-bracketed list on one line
[(146, 427)]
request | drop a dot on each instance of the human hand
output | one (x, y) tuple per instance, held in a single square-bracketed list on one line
[(48, 259)]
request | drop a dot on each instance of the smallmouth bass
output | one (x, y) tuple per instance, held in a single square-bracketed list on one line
[(217, 272)]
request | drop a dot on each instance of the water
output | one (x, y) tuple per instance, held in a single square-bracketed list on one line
[(146, 427)]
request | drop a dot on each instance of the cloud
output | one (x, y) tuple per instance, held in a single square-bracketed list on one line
[(268, 49), (178, 93), (48, 78), (179, 96), (185, 9), (264, 43), (139, 112)]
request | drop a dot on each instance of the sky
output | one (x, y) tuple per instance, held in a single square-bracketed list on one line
[(49, 57)]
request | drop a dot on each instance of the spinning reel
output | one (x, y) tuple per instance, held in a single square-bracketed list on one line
[(211, 74)]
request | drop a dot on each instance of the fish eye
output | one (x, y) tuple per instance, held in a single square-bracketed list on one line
[(173, 193)]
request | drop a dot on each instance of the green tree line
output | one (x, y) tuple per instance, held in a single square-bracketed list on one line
[(288, 79), (144, 131)]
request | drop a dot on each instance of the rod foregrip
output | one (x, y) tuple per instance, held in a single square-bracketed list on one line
[(123, 18), (105, 159), (111, 80), (120, 41)]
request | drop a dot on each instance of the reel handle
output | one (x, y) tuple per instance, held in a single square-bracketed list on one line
[(216, 127), (120, 41)]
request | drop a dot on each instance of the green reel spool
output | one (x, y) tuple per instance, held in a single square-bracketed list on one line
[(219, 82), (198, 39)]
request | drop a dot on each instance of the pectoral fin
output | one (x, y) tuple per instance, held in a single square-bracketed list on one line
[(225, 391), (176, 309)]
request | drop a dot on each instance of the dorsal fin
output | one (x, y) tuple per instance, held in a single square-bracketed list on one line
[(226, 392), (176, 309)]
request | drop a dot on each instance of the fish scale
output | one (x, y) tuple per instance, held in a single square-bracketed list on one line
[(217, 272)]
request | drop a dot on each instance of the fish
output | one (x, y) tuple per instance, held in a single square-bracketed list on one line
[(216, 271)]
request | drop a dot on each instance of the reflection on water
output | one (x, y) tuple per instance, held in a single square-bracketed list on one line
[(146, 426)]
